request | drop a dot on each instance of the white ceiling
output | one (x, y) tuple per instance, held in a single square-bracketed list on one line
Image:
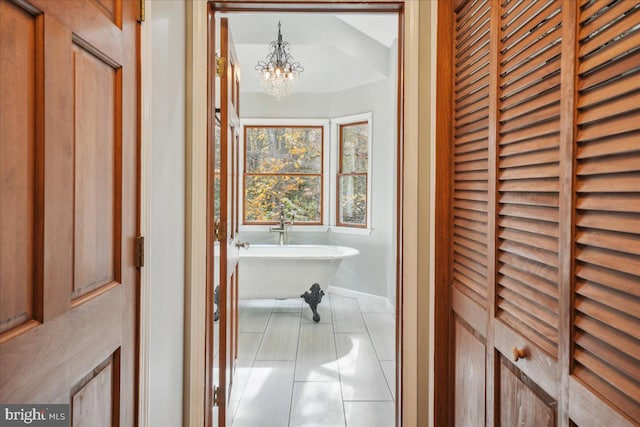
[(338, 52), (380, 27)]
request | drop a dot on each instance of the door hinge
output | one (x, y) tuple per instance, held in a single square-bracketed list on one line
[(141, 10), (220, 65), (139, 242), (220, 230), (218, 396)]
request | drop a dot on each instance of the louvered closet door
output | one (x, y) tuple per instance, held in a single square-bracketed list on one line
[(544, 267), (470, 157), (606, 360), (527, 211)]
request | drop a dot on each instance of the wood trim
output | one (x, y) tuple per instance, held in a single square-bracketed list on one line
[(443, 339), (245, 173), (469, 311), (407, 389), (306, 6), (210, 270), (536, 364), (568, 88), (491, 408), (457, 4), (39, 214)]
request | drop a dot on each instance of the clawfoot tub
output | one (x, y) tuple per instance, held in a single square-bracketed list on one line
[(274, 271)]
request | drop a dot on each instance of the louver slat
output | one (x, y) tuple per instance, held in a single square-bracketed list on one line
[(607, 244), (471, 131), (528, 171)]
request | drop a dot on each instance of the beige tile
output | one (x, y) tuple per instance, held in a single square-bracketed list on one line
[(360, 372), (316, 359), (370, 414), (287, 305), (266, 400), (254, 319), (372, 304), (346, 315), (324, 310), (389, 369), (240, 379), (382, 328), (257, 303), (280, 340), (248, 344), (316, 404)]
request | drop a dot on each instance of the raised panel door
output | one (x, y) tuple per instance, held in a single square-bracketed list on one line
[(69, 207)]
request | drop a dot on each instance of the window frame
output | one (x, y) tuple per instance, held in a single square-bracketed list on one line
[(336, 147), (340, 174), (324, 200)]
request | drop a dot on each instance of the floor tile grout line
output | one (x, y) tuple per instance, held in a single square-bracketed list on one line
[(335, 343), (300, 324), (253, 362), (295, 364), (379, 361)]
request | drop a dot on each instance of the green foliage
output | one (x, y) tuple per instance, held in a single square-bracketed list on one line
[(355, 148), (353, 199), (354, 163), (283, 165)]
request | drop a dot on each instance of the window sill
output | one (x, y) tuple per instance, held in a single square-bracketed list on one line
[(294, 229), (351, 230), (310, 229)]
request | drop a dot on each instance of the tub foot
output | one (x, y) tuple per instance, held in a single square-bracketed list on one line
[(216, 299), (313, 298)]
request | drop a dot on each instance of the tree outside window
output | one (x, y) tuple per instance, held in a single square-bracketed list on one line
[(283, 165), (352, 177)]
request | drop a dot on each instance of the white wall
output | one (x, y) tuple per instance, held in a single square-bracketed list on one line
[(369, 271), (165, 261), (373, 271)]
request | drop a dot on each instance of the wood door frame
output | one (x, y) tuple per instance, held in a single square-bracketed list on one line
[(444, 366), (415, 220), (443, 390)]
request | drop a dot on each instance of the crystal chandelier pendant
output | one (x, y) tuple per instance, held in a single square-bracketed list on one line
[(278, 71)]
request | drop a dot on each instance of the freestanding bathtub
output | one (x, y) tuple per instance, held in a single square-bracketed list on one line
[(273, 271)]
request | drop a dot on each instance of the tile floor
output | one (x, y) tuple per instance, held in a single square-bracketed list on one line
[(293, 372)]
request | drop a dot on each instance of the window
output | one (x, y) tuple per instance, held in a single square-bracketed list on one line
[(283, 164), (352, 175)]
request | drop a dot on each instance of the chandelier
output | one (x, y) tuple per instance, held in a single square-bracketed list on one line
[(278, 71)]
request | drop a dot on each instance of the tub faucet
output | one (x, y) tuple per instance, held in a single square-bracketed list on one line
[(282, 227)]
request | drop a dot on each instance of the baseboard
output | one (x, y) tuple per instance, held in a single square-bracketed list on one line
[(357, 294)]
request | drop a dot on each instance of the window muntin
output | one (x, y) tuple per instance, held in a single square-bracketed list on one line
[(283, 164), (352, 176)]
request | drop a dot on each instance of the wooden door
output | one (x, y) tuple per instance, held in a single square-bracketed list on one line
[(68, 207), (541, 268), (226, 234)]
